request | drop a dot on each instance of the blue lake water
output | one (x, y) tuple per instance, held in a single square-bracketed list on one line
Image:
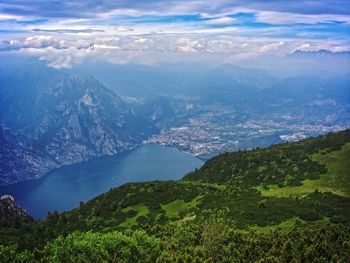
[(63, 188)]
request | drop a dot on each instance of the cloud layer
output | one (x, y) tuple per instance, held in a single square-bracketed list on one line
[(65, 32)]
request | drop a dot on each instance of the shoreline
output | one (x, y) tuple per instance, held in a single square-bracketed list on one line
[(97, 157), (62, 190)]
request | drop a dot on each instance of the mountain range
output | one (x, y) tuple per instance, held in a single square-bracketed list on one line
[(50, 119)]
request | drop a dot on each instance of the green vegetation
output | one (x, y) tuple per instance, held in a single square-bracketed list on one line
[(289, 201), (174, 208), (211, 241), (140, 210), (338, 167), (289, 224), (284, 226), (335, 180)]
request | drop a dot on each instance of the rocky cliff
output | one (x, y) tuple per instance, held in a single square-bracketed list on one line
[(49, 119), (9, 208)]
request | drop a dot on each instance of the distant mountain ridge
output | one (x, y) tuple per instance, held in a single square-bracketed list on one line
[(226, 83), (249, 88), (230, 75), (321, 52)]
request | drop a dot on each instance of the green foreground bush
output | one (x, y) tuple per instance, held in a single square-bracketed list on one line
[(189, 242)]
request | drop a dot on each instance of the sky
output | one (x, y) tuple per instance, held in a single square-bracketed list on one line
[(66, 32)]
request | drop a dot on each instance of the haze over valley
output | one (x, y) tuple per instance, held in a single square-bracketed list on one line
[(55, 117)]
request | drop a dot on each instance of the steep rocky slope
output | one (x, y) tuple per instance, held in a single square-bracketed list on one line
[(9, 208), (49, 119)]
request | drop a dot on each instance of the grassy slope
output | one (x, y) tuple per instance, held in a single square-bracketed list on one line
[(335, 180), (227, 185), (140, 210), (338, 165), (174, 208), (261, 189), (289, 224)]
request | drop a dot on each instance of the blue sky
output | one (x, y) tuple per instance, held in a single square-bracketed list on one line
[(65, 32)]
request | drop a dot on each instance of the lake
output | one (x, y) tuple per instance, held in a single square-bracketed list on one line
[(63, 188)]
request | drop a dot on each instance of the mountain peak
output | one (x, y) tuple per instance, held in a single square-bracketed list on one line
[(232, 76), (9, 208)]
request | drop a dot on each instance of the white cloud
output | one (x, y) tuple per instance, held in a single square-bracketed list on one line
[(276, 47), (283, 18), (4, 17), (41, 41), (221, 21), (97, 46), (123, 29), (64, 50), (141, 40)]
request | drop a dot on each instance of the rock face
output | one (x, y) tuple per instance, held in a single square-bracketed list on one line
[(50, 119), (8, 207)]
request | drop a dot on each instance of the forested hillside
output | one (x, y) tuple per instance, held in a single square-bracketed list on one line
[(289, 202)]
